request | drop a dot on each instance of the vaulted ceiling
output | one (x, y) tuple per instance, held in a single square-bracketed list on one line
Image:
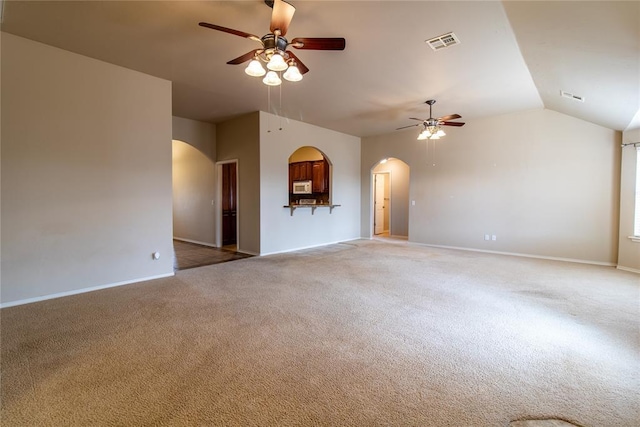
[(512, 56)]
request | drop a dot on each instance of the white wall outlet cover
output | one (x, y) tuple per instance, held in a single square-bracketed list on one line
[(156, 255), (493, 237), (486, 237)]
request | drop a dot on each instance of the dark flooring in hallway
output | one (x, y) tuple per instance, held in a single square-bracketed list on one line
[(191, 255)]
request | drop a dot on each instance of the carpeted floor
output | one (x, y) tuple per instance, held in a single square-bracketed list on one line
[(364, 333)]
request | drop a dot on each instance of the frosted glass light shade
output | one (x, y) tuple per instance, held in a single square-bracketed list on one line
[(440, 132), (272, 79), (255, 69), (276, 63), (292, 74), (434, 136), (423, 135)]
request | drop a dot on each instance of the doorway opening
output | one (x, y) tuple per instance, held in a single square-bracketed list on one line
[(390, 199), (227, 218), (381, 204)]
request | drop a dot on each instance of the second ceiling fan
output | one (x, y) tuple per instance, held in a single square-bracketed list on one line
[(275, 47), (431, 127)]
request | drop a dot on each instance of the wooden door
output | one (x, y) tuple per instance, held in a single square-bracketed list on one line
[(229, 204)]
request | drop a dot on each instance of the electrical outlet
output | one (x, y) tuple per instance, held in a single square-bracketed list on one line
[(493, 237), (486, 237)]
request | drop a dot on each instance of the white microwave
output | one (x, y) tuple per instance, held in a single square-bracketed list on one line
[(301, 187)]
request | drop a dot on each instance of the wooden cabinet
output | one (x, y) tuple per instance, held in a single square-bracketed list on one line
[(320, 176), (300, 171), (315, 171)]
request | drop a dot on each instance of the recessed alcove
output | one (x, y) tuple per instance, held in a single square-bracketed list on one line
[(309, 178)]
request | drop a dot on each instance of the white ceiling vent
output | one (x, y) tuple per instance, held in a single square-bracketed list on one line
[(443, 41), (571, 96)]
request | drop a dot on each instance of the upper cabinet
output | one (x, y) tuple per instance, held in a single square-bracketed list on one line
[(320, 176), (300, 171)]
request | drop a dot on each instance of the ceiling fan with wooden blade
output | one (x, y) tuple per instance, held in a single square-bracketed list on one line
[(431, 126), (275, 44)]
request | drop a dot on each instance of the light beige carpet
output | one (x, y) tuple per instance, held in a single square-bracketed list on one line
[(363, 333)]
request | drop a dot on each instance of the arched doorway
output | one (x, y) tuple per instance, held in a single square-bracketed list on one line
[(390, 199)]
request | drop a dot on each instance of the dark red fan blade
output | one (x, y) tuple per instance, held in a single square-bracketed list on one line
[(318, 43), (230, 31), (301, 67), (244, 58), (410, 126), (281, 16), (451, 123), (450, 117)]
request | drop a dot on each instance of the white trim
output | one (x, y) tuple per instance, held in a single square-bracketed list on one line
[(632, 270), (311, 247), (82, 291), (211, 245), (580, 261), (634, 238)]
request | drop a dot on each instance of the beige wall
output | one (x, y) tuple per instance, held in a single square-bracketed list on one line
[(193, 195), (239, 139), (629, 251), (399, 174), (281, 231), (194, 181), (201, 135), (86, 173), (544, 183)]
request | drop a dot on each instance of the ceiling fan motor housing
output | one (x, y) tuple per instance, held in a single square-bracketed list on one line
[(270, 44)]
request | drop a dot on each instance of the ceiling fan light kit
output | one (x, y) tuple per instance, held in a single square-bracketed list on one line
[(431, 127), (276, 63), (255, 69), (274, 51), (292, 74), (272, 79)]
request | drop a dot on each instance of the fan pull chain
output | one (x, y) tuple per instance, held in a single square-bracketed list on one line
[(268, 109), (434, 153), (280, 108)]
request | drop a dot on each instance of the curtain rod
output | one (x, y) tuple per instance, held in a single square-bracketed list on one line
[(635, 144)]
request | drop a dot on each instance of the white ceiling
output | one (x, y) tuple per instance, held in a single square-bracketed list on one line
[(513, 56)]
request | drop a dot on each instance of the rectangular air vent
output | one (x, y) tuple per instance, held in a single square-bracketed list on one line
[(443, 41), (571, 96)]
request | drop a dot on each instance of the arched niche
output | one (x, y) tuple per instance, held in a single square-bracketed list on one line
[(309, 177)]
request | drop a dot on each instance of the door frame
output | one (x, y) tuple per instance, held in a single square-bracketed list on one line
[(373, 200), (218, 210)]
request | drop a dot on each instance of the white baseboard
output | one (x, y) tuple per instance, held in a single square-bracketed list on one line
[(211, 245), (580, 261), (81, 291), (632, 270), (311, 247)]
